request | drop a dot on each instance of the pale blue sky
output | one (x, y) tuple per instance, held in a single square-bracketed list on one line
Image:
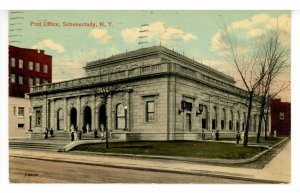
[(191, 32)]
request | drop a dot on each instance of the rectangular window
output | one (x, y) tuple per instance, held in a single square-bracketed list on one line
[(20, 79), (38, 117), (21, 126), (30, 65), (13, 78), (45, 81), (45, 68), (150, 110), (12, 62), (21, 111), (37, 67), (281, 115), (37, 81), (30, 81), (20, 63), (203, 123)]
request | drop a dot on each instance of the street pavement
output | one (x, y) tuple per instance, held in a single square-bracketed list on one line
[(278, 170)]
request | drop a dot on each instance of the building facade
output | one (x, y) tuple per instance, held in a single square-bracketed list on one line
[(27, 67), (18, 109), (280, 118), (163, 96)]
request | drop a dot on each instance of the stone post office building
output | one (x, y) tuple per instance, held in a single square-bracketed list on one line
[(165, 96)]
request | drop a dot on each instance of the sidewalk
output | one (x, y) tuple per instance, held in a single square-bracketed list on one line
[(276, 171)]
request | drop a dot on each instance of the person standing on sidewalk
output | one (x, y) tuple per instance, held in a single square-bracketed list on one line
[(72, 136), (238, 137), (203, 135)]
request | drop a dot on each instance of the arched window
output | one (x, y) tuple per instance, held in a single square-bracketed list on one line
[(214, 118), (120, 117), (238, 121), (223, 118), (231, 120), (204, 117), (244, 121)]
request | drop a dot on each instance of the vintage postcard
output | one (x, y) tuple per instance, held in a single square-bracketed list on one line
[(164, 97)]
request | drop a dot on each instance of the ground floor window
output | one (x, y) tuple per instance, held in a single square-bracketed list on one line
[(38, 117), (204, 124), (120, 115), (214, 124), (222, 124), (150, 111)]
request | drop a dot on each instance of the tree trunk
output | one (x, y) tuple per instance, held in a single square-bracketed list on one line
[(261, 114), (266, 123), (248, 119)]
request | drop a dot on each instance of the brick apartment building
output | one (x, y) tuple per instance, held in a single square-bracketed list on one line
[(280, 117), (27, 67)]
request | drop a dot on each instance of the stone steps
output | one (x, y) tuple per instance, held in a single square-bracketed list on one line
[(53, 146)]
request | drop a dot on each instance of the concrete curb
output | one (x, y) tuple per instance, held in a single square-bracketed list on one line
[(189, 159)]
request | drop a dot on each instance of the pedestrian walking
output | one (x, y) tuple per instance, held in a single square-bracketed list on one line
[(72, 136), (242, 137), (51, 133), (238, 137), (88, 127), (203, 135), (80, 135), (72, 128), (213, 135), (75, 136), (46, 133), (96, 133), (217, 134)]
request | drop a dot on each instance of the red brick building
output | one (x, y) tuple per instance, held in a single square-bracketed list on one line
[(27, 67), (280, 117)]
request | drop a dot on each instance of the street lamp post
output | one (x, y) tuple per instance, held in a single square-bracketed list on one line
[(30, 117), (125, 111)]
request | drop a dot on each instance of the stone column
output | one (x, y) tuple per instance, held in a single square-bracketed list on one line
[(52, 114), (79, 112), (66, 114), (93, 109), (109, 114), (218, 121)]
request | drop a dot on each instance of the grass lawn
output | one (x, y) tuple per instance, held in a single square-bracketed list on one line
[(193, 149), (270, 140)]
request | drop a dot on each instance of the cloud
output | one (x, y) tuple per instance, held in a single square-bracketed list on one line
[(243, 24), (157, 32), (260, 18), (256, 32), (101, 35), (48, 43), (257, 25), (67, 68)]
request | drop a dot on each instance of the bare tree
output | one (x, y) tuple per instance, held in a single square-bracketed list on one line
[(275, 61), (109, 88), (247, 59)]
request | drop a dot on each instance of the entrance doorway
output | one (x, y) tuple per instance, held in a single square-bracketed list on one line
[(102, 116), (73, 115), (87, 117)]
